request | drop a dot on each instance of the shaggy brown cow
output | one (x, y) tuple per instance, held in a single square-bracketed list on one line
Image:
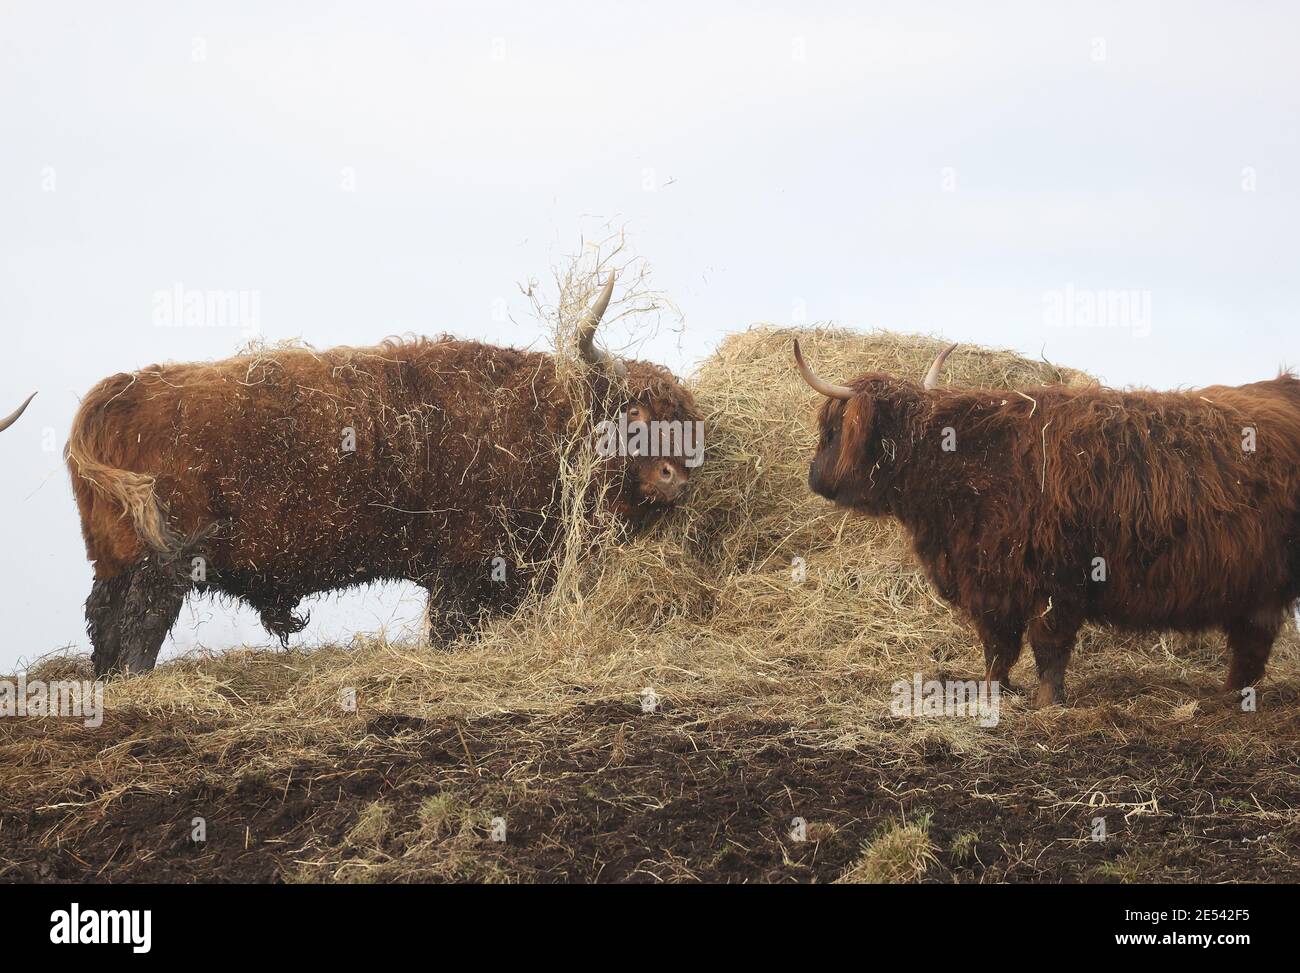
[(1140, 510), (272, 476)]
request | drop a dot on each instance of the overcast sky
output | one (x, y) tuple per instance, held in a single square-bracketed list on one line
[(994, 173)]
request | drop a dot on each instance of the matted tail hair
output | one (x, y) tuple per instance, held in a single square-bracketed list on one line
[(136, 492)]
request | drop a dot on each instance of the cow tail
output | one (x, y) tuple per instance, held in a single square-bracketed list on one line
[(136, 493)]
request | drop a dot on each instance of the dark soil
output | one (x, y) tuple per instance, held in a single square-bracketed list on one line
[(606, 793)]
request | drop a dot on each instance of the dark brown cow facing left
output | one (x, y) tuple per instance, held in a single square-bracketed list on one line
[(272, 476), (1141, 510)]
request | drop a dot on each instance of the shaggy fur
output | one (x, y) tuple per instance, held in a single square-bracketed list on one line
[(1196, 531), (242, 463)]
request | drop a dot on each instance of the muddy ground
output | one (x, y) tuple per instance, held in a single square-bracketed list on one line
[(607, 793)]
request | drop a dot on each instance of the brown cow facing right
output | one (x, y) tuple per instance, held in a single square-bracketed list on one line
[(275, 475), (1036, 513)]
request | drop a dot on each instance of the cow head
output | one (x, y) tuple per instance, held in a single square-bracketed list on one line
[(651, 422), (663, 441), (10, 419), (860, 429)]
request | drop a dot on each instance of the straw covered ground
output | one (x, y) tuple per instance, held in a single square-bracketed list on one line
[(709, 702)]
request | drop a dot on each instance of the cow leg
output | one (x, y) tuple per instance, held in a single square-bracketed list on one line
[(455, 607), (1250, 641), (444, 620), (1002, 643), (152, 603), (462, 597), (1052, 634), (104, 619)]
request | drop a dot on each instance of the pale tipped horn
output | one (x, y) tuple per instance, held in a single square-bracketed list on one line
[(10, 419), (818, 384), (932, 376), (587, 349)]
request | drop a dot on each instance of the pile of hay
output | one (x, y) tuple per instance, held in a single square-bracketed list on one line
[(756, 563), (754, 580), (758, 596)]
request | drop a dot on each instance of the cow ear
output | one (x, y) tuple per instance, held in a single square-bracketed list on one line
[(855, 433)]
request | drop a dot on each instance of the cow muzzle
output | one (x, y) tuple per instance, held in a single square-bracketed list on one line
[(663, 483)]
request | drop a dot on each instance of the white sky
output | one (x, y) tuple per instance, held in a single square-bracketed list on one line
[(797, 154)]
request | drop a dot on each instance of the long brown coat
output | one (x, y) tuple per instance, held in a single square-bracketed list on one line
[(1135, 509), (277, 475)]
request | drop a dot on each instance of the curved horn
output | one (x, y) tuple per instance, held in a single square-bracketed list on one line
[(587, 349), (9, 420), (818, 384), (932, 376)]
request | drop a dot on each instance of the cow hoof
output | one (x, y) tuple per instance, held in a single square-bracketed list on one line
[(1004, 684), (1048, 695), (1233, 697), (1235, 687)]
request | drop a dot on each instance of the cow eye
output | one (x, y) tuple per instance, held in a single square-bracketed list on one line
[(634, 414)]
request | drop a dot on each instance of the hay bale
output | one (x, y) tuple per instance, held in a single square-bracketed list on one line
[(756, 555)]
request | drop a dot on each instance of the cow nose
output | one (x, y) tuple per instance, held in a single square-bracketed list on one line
[(671, 482)]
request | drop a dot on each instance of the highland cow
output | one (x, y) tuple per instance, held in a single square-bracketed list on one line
[(1140, 510), (276, 475)]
